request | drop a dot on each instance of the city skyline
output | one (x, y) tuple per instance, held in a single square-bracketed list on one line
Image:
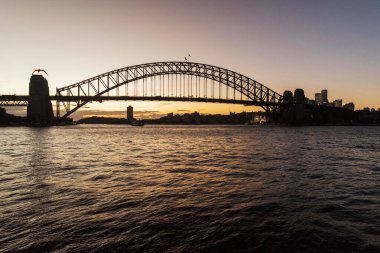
[(329, 45)]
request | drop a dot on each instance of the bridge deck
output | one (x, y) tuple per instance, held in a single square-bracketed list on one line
[(22, 100)]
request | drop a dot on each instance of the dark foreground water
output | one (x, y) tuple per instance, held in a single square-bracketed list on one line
[(190, 189)]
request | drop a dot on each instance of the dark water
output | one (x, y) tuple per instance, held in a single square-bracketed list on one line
[(190, 189)]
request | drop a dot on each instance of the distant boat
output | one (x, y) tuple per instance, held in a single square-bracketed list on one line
[(137, 123)]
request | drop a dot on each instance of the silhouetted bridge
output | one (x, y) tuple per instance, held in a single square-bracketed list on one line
[(162, 81)]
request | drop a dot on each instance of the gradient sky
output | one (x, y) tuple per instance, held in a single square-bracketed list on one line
[(283, 44)]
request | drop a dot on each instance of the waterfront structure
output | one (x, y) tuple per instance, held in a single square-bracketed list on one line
[(259, 119), (130, 113)]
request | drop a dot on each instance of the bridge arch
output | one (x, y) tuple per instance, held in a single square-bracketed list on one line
[(97, 88)]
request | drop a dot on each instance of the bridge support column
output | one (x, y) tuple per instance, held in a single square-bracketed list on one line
[(40, 109)]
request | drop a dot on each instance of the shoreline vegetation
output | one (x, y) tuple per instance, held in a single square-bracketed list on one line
[(362, 118), (7, 119)]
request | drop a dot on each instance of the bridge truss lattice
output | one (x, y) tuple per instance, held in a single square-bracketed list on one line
[(169, 81)]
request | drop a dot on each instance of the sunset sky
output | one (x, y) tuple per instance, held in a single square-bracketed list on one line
[(307, 44)]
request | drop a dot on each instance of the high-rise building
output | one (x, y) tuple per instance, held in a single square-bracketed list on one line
[(324, 97), (287, 97), (130, 113), (338, 103), (318, 98), (299, 108), (299, 96)]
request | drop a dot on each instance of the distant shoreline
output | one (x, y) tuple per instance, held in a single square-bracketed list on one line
[(185, 119), (209, 124)]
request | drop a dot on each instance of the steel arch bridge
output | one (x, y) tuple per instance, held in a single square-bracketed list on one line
[(168, 81)]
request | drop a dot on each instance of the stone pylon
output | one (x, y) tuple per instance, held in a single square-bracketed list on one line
[(40, 109)]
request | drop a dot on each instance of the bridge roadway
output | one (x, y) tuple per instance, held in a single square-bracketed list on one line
[(22, 100)]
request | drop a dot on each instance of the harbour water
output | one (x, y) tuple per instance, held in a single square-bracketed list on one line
[(101, 188)]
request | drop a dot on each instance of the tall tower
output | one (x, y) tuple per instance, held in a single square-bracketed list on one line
[(324, 97), (130, 113)]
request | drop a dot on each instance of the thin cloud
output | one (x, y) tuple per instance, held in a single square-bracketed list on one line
[(146, 111)]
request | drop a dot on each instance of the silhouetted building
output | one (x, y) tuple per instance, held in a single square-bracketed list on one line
[(130, 113), (324, 97), (299, 100), (338, 103), (321, 98), (366, 109), (39, 109), (318, 98), (350, 106), (299, 96), (287, 97), (287, 112)]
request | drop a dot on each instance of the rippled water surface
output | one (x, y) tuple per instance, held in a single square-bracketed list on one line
[(190, 189)]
